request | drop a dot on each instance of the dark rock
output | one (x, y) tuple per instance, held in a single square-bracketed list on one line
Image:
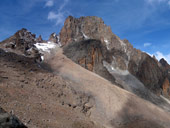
[(90, 55), (9, 121), (150, 74), (164, 63)]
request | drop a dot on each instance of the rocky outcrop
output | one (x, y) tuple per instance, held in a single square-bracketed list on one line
[(9, 121), (53, 38), (22, 43), (25, 43), (39, 39)]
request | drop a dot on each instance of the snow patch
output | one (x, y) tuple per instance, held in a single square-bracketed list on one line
[(42, 58), (123, 45), (168, 101), (116, 70), (45, 47), (128, 54), (85, 36), (58, 37), (107, 43), (54, 34), (30, 49), (124, 78)]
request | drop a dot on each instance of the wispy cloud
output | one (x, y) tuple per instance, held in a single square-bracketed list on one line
[(52, 16), (63, 5), (49, 3), (160, 55), (58, 16), (147, 44), (152, 2)]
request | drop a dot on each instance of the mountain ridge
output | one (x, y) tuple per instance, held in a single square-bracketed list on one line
[(55, 75)]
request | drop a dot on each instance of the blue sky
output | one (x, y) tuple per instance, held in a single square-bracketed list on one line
[(145, 23)]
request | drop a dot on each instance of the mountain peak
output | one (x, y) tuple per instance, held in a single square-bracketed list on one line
[(164, 63), (90, 27), (22, 42)]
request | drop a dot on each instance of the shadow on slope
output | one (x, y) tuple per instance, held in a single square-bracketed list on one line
[(92, 55), (128, 117)]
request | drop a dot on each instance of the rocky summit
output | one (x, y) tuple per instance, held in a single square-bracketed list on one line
[(83, 77), (22, 42), (114, 54)]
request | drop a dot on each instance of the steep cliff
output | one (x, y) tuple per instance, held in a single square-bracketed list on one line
[(91, 43)]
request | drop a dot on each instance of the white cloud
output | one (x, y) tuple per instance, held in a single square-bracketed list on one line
[(169, 2), (152, 2), (147, 44), (59, 16), (52, 16), (63, 5), (49, 3), (156, 0), (160, 55)]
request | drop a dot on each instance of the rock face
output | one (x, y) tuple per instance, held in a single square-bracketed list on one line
[(90, 55), (84, 28), (149, 73), (22, 43), (166, 88), (119, 55), (164, 63), (166, 70)]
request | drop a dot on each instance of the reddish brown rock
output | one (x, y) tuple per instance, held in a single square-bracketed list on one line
[(166, 87), (90, 27), (90, 55), (118, 53)]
